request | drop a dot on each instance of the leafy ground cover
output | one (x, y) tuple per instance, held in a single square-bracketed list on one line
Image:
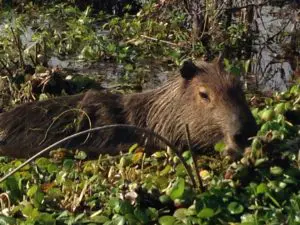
[(263, 188), (132, 188)]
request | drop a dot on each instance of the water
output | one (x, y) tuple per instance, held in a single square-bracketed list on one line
[(271, 69)]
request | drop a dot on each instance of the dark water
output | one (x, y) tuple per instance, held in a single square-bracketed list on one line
[(271, 69), (271, 65)]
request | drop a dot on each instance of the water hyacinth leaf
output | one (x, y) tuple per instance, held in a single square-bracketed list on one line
[(5, 220), (267, 114), (167, 220), (180, 170), (114, 203), (235, 208), (46, 219), (137, 157), (118, 220), (248, 219), (141, 215), (276, 170), (29, 211), (11, 184), (256, 144), (220, 146), (68, 164), (100, 219), (38, 198), (125, 208), (206, 213), (125, 161), (261, 188), (133, 147), (131, 219), (261, 161), (177, 189), (166, 170), (52, 168), (165, 199), (280, 108), (186, 155), (181, 213), (128, 67), (79, 217), (32, 190), (81, 155)]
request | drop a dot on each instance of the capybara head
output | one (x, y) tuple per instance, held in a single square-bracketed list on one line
[(217, 107)]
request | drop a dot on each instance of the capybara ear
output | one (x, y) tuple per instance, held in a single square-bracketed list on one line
[(188, 70)]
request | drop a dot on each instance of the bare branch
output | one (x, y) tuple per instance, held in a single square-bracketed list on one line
[(107, 127)]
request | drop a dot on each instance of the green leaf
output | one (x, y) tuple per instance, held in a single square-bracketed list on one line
[(46, 218), (100, 219), (118, 220), (81, 155), (167, 220), (52, 168), (220, 146), (261, 188), (5, 220), (11, 185), (164, 199), (267, 114), (276, 170), (206, 213), (38, 198), (32, 190), (256, 144), (181, 213), (128, 67), (42, 163), (166, 170), (186, 155), (177, 189), (280, 108), (235, 208), (125, 208), (133, 147), (68, 164), (141, 215), (29, 211)]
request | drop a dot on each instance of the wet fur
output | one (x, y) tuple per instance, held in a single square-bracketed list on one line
[(25, 129)]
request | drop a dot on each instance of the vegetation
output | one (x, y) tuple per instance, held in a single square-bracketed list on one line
[(262, 188)]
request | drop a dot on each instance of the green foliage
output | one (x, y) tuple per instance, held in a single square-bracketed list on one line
[(263, 188), (133, 189)]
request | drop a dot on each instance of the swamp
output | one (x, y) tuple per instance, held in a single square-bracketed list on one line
[(52, 50)]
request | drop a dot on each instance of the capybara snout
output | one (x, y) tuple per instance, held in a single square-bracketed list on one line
[(204, 97)]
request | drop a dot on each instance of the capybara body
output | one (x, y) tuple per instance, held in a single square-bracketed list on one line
[(208, 100)]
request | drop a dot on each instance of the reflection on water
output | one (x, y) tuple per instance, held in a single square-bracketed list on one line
[(271, 63), (272, 67)]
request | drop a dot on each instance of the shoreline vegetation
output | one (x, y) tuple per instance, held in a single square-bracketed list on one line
[(56, 48)]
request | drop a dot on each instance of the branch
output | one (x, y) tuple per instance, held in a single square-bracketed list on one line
[(107, 127), (158, 40), (18, 44), (249, 5), (5, 67), (188, 136)]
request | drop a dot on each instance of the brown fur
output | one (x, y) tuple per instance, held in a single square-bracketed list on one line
[(29, 127)]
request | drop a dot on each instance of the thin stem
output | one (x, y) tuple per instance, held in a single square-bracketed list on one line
[(107, 127), (188, 137)]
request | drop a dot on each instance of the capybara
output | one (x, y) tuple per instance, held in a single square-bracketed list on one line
[(210, 101)]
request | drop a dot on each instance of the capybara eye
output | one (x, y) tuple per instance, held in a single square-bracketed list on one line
[(204, 96)]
